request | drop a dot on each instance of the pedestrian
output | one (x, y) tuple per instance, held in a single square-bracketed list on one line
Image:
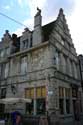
[(77, 112), (43, 120), (18, 119)]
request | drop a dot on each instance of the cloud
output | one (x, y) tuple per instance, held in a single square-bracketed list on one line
[(75, 21), (28, 23), (49, 9), (20, 2), (33, 4), (19, 31), (72, 9), (6, 7)]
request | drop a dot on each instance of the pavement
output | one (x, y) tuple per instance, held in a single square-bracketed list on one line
[(78, 122)]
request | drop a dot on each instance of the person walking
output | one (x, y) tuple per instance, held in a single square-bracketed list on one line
[(18, 120), (43, 120), (77, 113)]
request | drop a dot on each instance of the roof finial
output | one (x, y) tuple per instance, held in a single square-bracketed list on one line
[(39, 11), (61, 11)]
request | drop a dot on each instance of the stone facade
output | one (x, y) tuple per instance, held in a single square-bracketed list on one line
[(44, 57), (81, 68)]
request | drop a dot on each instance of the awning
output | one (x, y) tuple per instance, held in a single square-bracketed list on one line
[(14, 100)]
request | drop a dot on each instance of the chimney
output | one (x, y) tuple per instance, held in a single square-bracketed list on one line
[(37, 33)]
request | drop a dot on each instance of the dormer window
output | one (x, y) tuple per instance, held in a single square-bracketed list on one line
[(25, 44)]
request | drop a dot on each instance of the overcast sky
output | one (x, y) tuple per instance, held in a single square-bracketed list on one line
[(24, 11)]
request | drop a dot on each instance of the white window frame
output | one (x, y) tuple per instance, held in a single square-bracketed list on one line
[(23, 65), (6, 70)]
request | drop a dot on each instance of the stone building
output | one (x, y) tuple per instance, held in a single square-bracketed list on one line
[(41, 65), (81, 68)]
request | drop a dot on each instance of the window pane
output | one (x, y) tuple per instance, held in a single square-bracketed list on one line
[(41, 106), (8, 51), (74, 92), (29, 108), (27, 93), (2, 53), (67, 92), (68, 106), (61, 106), (25, 43), (61, 92), (43, 92), (24, 65), (80, 105), (32, 93), (38, 92), (3, 92)]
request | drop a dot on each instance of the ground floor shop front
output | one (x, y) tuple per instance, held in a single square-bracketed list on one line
[(61, 101)]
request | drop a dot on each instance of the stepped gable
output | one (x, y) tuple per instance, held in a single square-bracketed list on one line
[(61, 24), (6, 39)]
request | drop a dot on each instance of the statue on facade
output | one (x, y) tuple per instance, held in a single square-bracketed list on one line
[(39, 11)]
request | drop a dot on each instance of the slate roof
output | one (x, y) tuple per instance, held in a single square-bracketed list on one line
[(46, 30)]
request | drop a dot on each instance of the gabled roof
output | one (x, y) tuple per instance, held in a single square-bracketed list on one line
[(46, 30), (59, 22)]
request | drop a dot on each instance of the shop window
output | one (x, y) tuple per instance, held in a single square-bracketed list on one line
[(67, 106), (29, 108), (40, 98), (29, 93), (74, 92), (80, 101), (61, 100), (61, 104), (40, 106), (67, 96), (43, 92), (67, 92), (32, 93), (38, 92), (64, 100), (61, 92)]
